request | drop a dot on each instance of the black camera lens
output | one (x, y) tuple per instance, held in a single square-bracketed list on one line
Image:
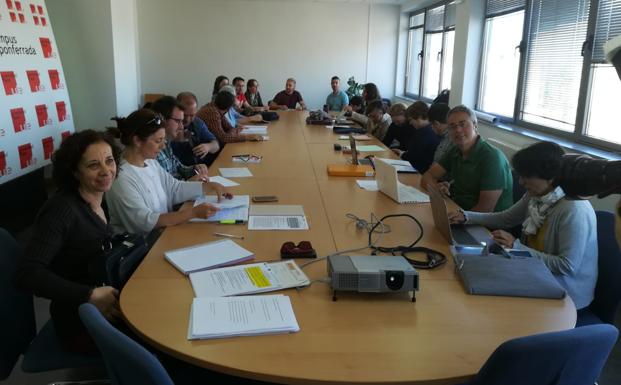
[(394, 279)]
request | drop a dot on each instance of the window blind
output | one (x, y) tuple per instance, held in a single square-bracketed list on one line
[(435, 19), (554, 62), (417, 20), (499, 7), (451, 9), (608, 26)]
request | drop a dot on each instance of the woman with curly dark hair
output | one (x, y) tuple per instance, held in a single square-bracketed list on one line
[(62, 261)]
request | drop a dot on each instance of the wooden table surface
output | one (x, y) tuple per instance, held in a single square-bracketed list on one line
[(443, 338)]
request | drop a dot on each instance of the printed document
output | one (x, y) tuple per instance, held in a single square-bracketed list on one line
[(241, 316), (248, 279), (235, 209), (277, 217)]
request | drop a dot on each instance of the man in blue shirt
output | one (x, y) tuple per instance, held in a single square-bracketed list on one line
[(200, 145), (338, 99)]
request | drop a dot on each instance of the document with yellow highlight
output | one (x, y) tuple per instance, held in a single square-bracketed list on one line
[(247, 279)]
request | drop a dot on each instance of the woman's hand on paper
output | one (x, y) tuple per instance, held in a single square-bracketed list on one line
[(204, 210)]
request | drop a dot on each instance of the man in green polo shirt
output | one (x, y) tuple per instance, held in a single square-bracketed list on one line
[(481, 174)]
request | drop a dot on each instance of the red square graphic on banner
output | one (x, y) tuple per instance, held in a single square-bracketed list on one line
[(64, 135), (19, 119), (2, 163), (43, 22), (54, 79), (22, 18), (9, 4), (13, 17), (9, 82), (18, 5), (40, 8), (48, 147), (46, 47), (36, 20), (42, 114), (33, 8), (25, 155), (33, 79), (61, 109)]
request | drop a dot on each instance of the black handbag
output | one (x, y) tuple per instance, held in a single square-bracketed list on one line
[(269, 115), (125, 253)]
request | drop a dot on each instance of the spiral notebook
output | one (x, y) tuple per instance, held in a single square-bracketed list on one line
[(388, 183)]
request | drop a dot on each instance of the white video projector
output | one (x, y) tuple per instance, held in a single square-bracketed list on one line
[(372, 274)]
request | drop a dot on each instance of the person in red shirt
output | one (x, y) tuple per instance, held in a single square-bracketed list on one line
[(241, 104)]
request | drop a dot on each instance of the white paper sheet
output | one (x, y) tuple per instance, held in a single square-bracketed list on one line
[(277, 222), (369, 185), (223, 181), (241, 316), (235, 172)]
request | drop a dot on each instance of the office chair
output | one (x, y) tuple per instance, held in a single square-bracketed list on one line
[(42, 351), (569, 357), (607, 297), (126, 361)]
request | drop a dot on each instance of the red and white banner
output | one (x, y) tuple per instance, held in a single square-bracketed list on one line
[(35, 113)]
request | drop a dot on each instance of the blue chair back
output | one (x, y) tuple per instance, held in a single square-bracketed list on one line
[(570, 357), (608, 289), (126, 361), (17, 322)]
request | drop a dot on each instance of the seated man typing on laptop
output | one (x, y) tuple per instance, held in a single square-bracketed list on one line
[(481, 174), (560, 232)]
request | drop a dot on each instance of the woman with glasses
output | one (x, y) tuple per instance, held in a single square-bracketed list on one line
[(62, 260), (143, 195), (560, 232)]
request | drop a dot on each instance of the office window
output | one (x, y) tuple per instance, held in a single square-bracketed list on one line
[(543, 67), (553, 68), (501, 57), (415, 54), (605, 87), (429, 61)]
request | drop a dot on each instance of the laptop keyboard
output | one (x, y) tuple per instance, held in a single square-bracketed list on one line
[(462, 236)]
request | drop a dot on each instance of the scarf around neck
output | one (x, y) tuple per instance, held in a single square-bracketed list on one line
[(539, 208)]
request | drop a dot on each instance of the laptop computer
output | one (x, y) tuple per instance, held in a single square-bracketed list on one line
[(354, 152), (467, 235), (388, 183)]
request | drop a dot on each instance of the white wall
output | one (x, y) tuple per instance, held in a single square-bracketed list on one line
[(383, 33), (185, 44), (83, 33), (125, 46)]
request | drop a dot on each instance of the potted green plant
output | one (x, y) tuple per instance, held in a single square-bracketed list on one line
[(355, 88)]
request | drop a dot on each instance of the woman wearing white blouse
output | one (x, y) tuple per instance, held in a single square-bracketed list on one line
[(143, 195)]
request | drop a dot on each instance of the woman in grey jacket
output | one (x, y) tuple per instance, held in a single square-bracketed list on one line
[(560, 232)]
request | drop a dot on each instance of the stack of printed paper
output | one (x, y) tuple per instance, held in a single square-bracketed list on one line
[(222, 317)]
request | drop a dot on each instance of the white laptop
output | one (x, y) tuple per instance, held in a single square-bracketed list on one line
[(388, 183)]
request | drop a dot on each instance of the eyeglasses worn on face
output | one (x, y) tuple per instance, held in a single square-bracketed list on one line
[(179, 121)]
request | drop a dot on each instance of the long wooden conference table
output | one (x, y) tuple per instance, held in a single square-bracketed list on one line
[(443, 338)]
